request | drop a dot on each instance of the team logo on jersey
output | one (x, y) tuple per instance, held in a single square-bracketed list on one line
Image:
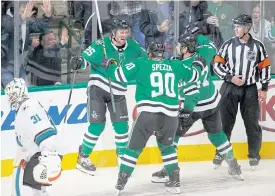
[(99, 42), (223, 16), (251, 55), (25, 107), (95, 115)]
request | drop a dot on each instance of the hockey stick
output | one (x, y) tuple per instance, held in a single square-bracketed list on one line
[(70, 95), (75, 71), (104, 50)]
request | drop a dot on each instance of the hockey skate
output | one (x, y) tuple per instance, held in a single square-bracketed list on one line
[(173, 184), (253, 162), (217, 161), (160, 176), (235, 169), (84, 164), (121, 181)]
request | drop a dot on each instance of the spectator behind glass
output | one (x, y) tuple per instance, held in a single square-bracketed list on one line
[(269, 31), (45, 62), (82, 11), (156, 25), (28, 25), (197, 16), (223, 14), (130, 12), (193, 16)]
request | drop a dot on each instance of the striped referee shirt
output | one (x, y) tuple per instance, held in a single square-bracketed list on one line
[(248, 60)]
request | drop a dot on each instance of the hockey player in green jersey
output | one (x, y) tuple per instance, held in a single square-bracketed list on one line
[(123, 50), (157, 105), (201, 101)]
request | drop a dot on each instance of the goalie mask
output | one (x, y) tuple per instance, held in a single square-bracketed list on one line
[(17, 91), (156, 49), (188, 41)]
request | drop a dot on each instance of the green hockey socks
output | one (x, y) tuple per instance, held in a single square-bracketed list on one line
[(121, 137), (91, 137), (169, 157), (223, 146), (129, 160)]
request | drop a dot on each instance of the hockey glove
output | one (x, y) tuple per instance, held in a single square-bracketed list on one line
[(106, 62), (76, 62), (199, 61), (185, 117)]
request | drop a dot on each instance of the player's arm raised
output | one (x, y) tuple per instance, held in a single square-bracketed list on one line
[(193, 73), (124, 73), (93, 55)]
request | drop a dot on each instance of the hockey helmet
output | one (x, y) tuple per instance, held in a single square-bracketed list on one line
[(188, 41), (156, 48), (243, 19), (119, 24), (17, 91)]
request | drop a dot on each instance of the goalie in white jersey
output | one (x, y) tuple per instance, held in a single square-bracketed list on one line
[(37, 164)]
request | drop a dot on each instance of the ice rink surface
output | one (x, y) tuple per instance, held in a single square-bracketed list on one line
[(197, 179)]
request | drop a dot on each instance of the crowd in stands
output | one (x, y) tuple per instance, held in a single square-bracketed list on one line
[(42, 41)]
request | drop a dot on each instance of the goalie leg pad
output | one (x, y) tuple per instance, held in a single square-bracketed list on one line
[(28, 178), (42, 169), (48, 169)]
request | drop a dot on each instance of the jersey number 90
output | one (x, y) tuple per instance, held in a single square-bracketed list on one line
[(165, 84)]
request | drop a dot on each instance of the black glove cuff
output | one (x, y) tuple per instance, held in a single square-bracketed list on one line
[(185, 113), (228, 78), (264, 86)]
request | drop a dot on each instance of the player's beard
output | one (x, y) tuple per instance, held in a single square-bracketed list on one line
[(178, 50)]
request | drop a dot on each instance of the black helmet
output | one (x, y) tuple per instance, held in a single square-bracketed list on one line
[(189, 41), (119, 24), (156, 48), (243, 19)]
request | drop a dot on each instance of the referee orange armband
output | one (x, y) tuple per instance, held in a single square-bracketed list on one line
[(264, 63), (219, 59)]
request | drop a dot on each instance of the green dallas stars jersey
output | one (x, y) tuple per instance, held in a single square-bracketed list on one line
[(203, 40), (156, 83), (94, 54), (201, 96)]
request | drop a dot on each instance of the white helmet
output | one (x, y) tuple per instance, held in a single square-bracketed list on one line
[(17, 91)]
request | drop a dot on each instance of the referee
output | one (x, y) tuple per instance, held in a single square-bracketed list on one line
[(241, 62)]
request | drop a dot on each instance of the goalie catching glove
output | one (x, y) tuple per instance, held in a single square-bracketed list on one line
[(48, 168), (106, 62)]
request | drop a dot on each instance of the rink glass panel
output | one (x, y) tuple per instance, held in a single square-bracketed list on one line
[(72, 15)]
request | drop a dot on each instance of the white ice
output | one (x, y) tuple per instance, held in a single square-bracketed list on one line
[(197, 178)]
